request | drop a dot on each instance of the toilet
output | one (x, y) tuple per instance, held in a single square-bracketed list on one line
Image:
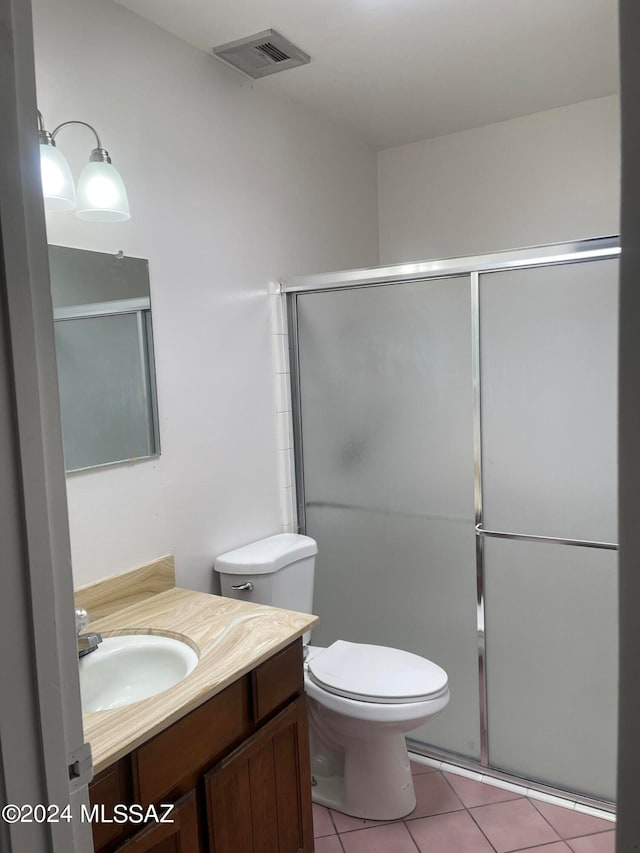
[(363, 699)]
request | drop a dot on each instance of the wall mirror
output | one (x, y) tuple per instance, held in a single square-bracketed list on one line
[(104, 348)]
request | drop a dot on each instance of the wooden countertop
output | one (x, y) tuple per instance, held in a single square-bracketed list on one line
[(231, 637)]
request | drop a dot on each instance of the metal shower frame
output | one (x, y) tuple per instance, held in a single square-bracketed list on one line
[(599, 248)]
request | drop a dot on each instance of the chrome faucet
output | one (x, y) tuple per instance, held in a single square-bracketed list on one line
[(87, 643)]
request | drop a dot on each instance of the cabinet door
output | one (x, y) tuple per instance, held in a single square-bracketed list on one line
[(106, 790), (259, 797), (181, 836)]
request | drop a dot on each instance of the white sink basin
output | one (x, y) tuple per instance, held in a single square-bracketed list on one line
[(132, 667)]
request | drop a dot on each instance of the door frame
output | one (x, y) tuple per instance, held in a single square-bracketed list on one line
[(41, 733), (628, 828)]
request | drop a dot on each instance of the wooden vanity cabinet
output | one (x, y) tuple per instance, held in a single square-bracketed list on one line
[(236, 768)]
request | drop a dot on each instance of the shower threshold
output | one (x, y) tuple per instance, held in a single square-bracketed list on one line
[(461, 766)]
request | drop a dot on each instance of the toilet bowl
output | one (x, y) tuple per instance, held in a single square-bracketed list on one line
[(363, 699)]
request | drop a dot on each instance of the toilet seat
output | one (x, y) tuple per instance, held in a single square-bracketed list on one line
[(376, 674)]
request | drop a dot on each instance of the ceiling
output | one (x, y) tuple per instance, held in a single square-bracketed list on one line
[(396, 71)]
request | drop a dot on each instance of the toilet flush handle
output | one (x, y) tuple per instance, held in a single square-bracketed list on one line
[(244, 587)]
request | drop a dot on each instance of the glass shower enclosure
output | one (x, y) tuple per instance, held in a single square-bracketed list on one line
[(455, 426)]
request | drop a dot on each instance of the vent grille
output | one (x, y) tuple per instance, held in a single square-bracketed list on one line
[(262, 54), (273, 52)]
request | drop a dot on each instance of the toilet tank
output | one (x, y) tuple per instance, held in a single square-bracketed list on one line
[(278, 571)]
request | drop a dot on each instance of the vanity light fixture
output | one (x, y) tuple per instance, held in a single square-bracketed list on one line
[(101, 195)]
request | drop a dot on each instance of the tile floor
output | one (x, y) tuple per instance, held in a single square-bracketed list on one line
[(454, 814)]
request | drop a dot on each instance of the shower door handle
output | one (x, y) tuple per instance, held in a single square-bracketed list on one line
[(531, 537)]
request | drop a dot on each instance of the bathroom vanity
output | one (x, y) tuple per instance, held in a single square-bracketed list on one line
[(236, 770), (227, 747)]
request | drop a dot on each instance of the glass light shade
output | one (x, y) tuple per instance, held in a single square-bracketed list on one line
[(101, 194), (57, 183)]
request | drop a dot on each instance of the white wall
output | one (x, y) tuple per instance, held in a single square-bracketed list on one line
[(229, 189), (540, 179)]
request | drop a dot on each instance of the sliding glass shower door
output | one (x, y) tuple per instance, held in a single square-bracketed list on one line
[(549, 403), (386, 409), (456, 462)]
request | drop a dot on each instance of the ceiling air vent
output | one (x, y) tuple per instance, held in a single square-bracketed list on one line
[(260, 55)]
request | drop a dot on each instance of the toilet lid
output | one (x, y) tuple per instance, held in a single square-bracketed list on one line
[(376, 673)]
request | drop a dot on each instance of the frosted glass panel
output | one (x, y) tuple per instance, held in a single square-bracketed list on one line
[(386, 399), (103, 375), (549, 380), (551, 615)]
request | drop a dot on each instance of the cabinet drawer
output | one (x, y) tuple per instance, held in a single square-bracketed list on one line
[(173, 760), (277, 680)]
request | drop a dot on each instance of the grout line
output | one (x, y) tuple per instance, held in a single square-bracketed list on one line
[(455, 793), (581, 835), (494, 802), (561, 802), (435, 814), (406, 826), (373, 826), (551, 826), (533, 803), (461, 771), (589, 834), (520, 790), (335, 828), (489, 842), (425, 760)]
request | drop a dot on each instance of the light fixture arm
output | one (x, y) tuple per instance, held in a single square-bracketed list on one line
[(99, 154), (44, 137)]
